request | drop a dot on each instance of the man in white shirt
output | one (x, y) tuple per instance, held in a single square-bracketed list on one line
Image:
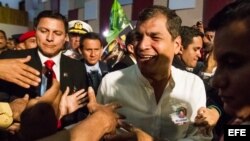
[(153, 93)]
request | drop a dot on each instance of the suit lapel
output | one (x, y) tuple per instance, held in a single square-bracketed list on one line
[(64, 72)]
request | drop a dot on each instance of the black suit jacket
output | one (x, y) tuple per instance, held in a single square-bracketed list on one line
[(72, 74), (104, 69)]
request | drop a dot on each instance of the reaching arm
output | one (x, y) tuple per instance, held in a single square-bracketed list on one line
[(16, 71)]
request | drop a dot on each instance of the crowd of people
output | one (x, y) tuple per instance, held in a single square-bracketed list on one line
[(174, 82)]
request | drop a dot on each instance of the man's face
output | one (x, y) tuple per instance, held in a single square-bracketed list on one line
[(156, 48), (51, 36), (74, 40), (232, 76), (3, 41), (30, 43), (208, 40), (91, 51), (192, 53)]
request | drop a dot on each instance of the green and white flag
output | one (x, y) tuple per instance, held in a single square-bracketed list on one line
[(117, 21)]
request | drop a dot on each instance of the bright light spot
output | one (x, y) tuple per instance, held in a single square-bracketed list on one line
[(105, 33)]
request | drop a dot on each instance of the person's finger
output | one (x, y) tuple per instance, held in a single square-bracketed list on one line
[(91, 95), (55, 84), (28, 68), (29, 73), (51, 94), (66, 93), (26, 97), (20, 83), (82, 97), (83, 100), (78, 93), (23, 79), (80, 106), (201, 111)]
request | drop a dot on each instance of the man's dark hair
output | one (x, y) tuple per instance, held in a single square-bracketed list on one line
[(187, 34), (51, 14), (173, 23), (90, 35), (238, 10), (4, 34), (131, 37), (38, 121)]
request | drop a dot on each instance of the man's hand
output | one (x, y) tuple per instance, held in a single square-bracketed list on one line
[(16, 71), (106, 112), (140, 135), (206, 119), (52, 96), (70, 103), (13, 128), (18, 105), (103, 120)]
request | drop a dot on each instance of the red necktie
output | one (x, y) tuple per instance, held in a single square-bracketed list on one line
[(49, 65)]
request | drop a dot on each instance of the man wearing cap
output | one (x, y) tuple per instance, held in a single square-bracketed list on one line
[(76, 29), (27, 40)]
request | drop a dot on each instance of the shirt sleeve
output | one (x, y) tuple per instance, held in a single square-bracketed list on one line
[(6, 114)]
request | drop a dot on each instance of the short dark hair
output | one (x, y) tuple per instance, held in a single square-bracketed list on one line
[(38, 121), (187, 34), (173, 23), (4, 34), (238, 10), (131, 37), (51, 14), (90, 35)]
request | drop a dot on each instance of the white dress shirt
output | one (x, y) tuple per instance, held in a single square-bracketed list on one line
[(134, 92)]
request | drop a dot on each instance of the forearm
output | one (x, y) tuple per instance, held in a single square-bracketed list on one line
[(85, 129)]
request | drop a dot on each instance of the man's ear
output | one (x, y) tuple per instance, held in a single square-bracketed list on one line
[(130, 48), (181, 50), (177, 45)]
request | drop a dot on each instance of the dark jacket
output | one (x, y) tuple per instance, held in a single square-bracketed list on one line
[(72, 74)]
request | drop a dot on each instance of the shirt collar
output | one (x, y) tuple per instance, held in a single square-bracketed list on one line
[(56, 58), (93, 68), (171, 82)]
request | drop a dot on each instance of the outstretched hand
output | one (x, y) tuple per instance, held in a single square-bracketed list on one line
[(206, 119), (107, 112), (16, 71), (71, 103), (18, 106)]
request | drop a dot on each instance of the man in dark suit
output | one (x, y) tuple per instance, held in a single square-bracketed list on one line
[(91, 46), (51, 32), (129, 58)]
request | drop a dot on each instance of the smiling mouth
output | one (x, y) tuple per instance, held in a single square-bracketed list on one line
[(146, 57)]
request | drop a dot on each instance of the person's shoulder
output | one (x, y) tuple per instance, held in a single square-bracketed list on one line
[(71, 61), (182, 74), (17, 53), (119, 74)]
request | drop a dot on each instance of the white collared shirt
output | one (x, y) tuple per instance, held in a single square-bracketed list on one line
[(93, 68), (56, 59)]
